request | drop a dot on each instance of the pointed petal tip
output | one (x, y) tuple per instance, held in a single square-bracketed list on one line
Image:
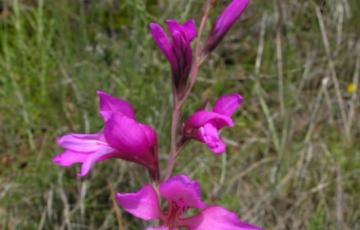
[(153, 25), (99, 92), (170, 21), (218, 151), (143, 204), (60, 140), (102, 94), (240, 98), (83, 171), (59, 161), (80, 175), (228, 104), (231, 123), (109, 104), (190, 24), (56, 160)]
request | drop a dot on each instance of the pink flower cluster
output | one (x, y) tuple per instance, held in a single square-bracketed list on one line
[(180, 194), (123, 137)]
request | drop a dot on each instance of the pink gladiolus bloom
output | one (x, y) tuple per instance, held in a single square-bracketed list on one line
[(204, 125), (224, 22), (181, 194), (176, 48), (122, 137)]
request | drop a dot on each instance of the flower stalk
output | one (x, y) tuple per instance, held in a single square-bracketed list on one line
[(123, 137), (178, 102)]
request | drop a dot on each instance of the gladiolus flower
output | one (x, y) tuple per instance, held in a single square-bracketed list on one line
[(224, 22), (204, 125), (181, 195), (122, 137), (176, 47)]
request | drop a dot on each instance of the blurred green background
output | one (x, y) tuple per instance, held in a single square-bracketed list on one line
[(293, 160)]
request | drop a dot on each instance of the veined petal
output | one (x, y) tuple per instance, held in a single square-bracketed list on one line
[(200, 118), (209, 135), (100, 155), (86, 149), (82, 142), (144, 204), (68, 158), (228, 104), (109, 104), (218, 218), (136, 142), (88, 159), (126, 135), (183, 192)]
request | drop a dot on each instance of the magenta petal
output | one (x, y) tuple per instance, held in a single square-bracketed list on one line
[(125, 135), (84, 148), (162, 41), (225, 21), (150, 134), (109, 104), (209, 135), (182, 191), (187, 31), (230, 15), (190, 29), (200, 118), (218, 218), (228, 104), (144, 204), (82, 142), (177, 50), (68, 158), (181, 47), (93, 158), (136, 141), (219, 148), (158, 228), (175, 27)]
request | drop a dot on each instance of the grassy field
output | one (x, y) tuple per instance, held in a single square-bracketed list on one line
[(293, 160)]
